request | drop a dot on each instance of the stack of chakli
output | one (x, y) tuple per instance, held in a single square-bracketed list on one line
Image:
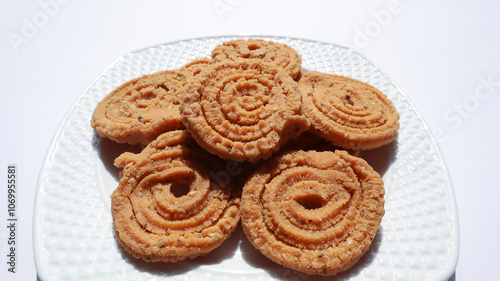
[(246, 135)]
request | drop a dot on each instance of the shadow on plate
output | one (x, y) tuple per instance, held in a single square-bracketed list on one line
[(108, 151), (381, 158), (253, 257)]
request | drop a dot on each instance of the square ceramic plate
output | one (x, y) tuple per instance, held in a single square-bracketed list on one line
[(73, 228)]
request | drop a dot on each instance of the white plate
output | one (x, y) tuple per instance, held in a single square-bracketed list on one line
[(73, 230)]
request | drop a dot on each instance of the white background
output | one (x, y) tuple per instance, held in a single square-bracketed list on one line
[(445, 55)]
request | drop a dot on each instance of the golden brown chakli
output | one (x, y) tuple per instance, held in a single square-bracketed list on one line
[(348, 112), (316, 212), (280, 54), (242, 109), (167, 207), (141, 109)]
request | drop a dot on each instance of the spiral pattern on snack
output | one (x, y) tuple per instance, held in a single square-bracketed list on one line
[(348, 112), (282, 55), (168, 205), (195, 66), (316, 212), (141, 109), (242, 110)]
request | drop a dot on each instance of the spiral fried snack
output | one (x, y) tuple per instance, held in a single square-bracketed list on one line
[(242, 110), (168, 207), (141, 109), (348, 112), (316, 212), (195, 66), (280, 54)]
